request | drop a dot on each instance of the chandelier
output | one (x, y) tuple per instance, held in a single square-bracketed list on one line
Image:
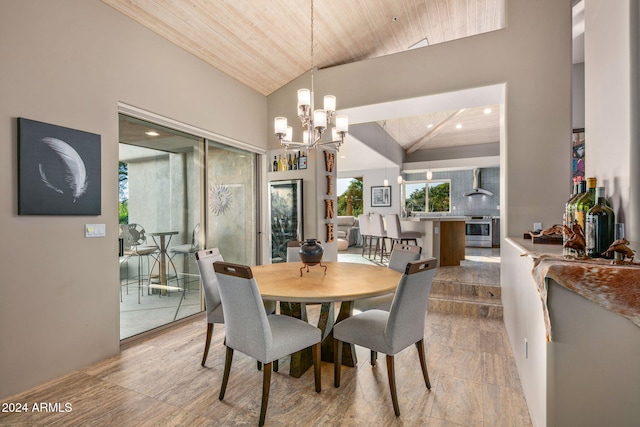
[(314, 121)]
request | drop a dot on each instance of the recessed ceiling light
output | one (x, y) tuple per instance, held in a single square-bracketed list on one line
[(458, 126), (152, 133), (487, 110), (430, 125)]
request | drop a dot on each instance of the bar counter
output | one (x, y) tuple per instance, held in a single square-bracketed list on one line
[(574, 330), (443, 237)]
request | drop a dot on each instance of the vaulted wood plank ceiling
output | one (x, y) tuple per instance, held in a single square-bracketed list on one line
[(265, 44)]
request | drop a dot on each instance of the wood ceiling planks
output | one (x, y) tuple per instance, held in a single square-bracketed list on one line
[(266, 43)]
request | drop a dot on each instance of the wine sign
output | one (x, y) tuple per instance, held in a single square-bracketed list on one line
[(329, 185), (329, 161), (329, 204), (330, 236), (329, 208)]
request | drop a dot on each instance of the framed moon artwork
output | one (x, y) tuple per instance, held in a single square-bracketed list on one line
[(58, 170)]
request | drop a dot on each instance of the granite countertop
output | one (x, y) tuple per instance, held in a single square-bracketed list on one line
[(435, 218)]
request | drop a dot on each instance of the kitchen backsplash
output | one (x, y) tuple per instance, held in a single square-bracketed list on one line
[(461, 182)]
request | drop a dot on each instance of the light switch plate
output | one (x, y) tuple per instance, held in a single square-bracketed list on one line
[(537, 226), (94, 230)]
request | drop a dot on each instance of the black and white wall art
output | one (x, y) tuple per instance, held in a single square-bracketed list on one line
[(58, 170)]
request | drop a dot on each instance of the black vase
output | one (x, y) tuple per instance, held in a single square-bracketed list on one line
[(311, 252)]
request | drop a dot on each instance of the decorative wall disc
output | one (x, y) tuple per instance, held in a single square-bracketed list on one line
[(220, 199)]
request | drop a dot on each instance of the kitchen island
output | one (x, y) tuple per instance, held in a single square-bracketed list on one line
[(443, 237)]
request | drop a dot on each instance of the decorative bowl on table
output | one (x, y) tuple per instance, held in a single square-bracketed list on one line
[(311, 252)]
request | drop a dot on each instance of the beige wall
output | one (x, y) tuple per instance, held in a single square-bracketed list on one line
[(69, 63), (611, 100)]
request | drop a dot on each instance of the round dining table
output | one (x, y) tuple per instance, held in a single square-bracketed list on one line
[(340, 282)]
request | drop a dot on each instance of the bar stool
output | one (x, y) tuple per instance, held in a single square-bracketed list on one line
[(395, 233), (363, 224), (377, 231)]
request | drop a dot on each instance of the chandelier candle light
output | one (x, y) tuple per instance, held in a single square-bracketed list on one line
[(315, 122)]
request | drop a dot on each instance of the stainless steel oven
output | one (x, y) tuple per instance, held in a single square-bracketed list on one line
[(478, 232)]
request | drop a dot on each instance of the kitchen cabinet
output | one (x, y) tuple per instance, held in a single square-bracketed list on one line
[(442, 237)]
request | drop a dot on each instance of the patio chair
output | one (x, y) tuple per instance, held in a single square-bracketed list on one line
[(134, 241), (186, 250)]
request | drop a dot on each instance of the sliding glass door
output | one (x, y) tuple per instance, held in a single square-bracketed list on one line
[(178, 193), (161, 181), (232, 203)]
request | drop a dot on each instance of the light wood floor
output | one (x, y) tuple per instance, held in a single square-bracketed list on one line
[(158, 381)]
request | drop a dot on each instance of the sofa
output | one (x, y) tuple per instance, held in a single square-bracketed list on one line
[(345, 233)]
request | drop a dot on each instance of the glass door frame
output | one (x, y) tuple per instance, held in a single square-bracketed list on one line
[(206, 136)]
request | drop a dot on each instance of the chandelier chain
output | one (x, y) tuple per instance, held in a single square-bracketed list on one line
[(314, 121)]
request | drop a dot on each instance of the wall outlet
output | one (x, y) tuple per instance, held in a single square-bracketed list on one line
[(436, 230), (526, 349), (537, 226)]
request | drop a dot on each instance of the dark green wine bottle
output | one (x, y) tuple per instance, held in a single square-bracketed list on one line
[(599, 227)]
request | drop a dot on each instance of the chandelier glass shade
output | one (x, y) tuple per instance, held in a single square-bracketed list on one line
[(314, 121)]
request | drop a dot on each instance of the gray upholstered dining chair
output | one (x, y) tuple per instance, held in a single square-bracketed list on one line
[(249, 330), (390, 332), (213, 306), (400, 256), (293, 250)]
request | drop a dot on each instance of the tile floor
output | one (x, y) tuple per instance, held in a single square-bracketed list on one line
[(158, 380)]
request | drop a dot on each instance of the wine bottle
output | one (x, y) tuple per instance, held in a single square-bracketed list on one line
[(275, 164), (295, 161), (585, 202), (280, 168), (579, 187), (302, 161), (568, 214), (599, 227)]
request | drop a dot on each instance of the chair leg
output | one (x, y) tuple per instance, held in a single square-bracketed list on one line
[(275, 365), (266, 385), (337, 359), (423, 363), (207, 342), (227, 369), (316, 367), (392, 384), (374, 357)]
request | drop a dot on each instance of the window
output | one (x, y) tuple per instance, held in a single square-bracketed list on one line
[(350, 196), (428, 196)]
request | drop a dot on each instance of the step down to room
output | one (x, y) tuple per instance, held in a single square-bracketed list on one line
[(468, 299)]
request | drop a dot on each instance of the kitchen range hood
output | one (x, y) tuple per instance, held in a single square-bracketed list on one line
[(477, 191)]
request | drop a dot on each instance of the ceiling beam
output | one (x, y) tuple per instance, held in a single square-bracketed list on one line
[(433, 132)]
